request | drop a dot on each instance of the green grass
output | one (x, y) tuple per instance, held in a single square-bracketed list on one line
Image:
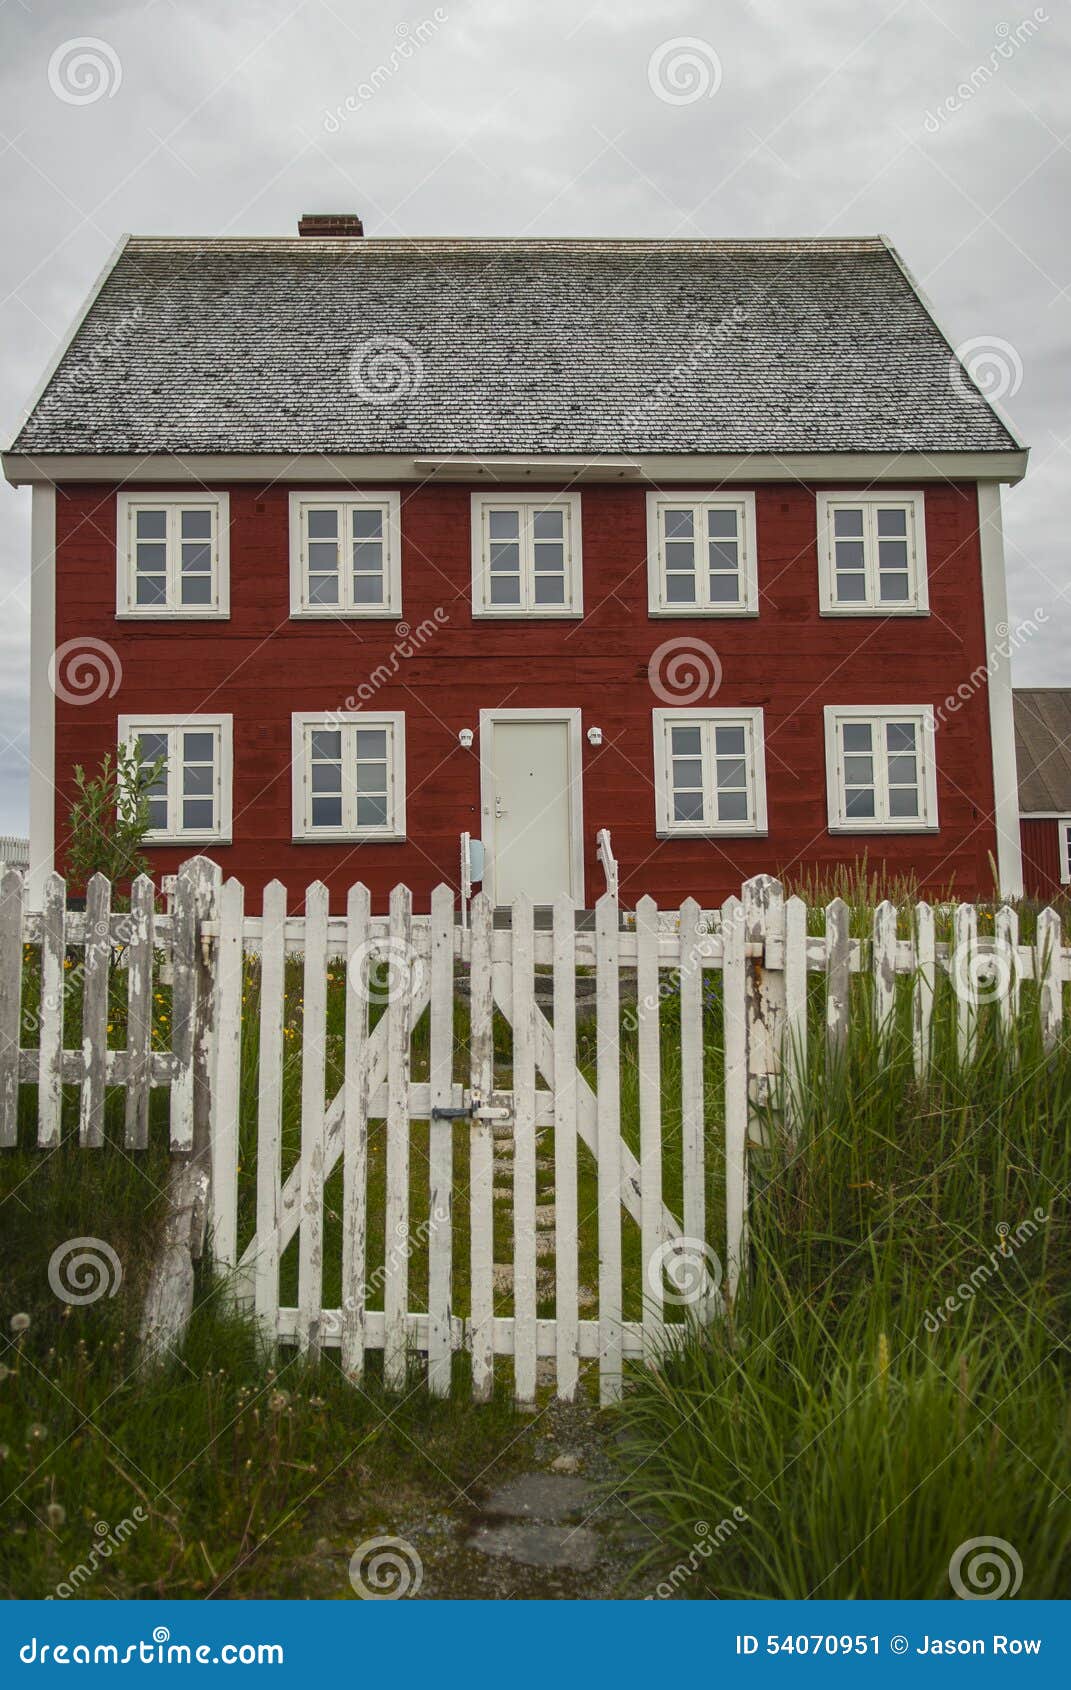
[(864, 1424)]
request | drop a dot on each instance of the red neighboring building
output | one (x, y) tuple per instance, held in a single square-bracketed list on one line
[(380, 542), (1043, 755)]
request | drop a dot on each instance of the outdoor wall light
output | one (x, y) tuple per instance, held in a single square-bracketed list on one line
[(594, 736), (464, 739)]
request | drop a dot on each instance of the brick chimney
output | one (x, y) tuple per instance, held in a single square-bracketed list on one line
[(331, 226)]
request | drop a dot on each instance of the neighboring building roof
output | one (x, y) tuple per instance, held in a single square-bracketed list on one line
[(564, 346), (1043, 748)]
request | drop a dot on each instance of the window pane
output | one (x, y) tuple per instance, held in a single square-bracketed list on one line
[(900, 736), (549, 589), (850, 554), (679, 525), (903, 801), (151, 558), (327, 812), (323, 556), (326, 742), (503, 525), (894, 589), (323, 589), (721, 524), (548, 525), (858, 771), (368, 589), (152, 589), (505, 557), (730, 742), (196, 525), (892, 554), (367, 525), (724, 589), (197, 589), (723, 554), (198, 747), (158, 813), (857, 736), (680, 589), (326, 777), (732, 806), (847, 522), (198, 812), (152, 746), (680, 554), (892, 522), (688, 806), (851, 589), (687, 771), (505, 589), (903, 770), (151, 525), (371, 812), (323, 524), (730, 773), (371, 742), (367, 555), (196, 557), (197, 779), (687, 741), (548, 558), (858, 805), (371, 777)]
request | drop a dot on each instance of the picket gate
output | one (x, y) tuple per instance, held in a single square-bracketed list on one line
[(545, 1008)]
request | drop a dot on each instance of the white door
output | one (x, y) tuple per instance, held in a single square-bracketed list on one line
[(531, 804)]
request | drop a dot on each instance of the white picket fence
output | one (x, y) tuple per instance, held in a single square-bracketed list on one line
[(511, 1109)]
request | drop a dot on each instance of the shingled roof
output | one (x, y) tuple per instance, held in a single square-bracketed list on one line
[(562, 346), (1043, 749)]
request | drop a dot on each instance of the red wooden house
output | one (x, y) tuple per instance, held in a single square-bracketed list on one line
[(381, 542), (1043, 756)]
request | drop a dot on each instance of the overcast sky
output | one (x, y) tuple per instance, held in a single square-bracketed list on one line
[(943, 126)]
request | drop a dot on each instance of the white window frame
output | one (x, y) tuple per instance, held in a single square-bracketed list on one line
[(878, 714), (345, 503), (302, 723), (657, 602), (481, 505), (130, 729), (1063, 834), (869, 503), (126, 605), (666, 827)]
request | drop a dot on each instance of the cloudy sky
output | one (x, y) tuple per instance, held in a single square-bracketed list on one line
[(942, 125)]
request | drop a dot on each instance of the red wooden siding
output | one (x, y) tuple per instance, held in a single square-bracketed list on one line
[(261, 666), (1041, 859)]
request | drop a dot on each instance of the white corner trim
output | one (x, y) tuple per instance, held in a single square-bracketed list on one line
[(1001, 718), (42, 697)]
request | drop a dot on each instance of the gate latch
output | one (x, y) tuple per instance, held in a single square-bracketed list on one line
[(474, 1110)]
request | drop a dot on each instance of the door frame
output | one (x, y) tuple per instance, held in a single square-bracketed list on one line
[(571, 719)]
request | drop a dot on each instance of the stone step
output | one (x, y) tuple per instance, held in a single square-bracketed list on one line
[(572, 1548)]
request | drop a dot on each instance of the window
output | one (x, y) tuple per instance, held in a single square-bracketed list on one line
[(172, 555), (349, 776), (1063, 829), (710, 774), (701, 555), (872, 554), (345, 554), (526, 555), (191, 799), (880, 769)]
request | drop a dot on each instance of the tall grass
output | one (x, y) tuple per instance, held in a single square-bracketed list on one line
[(895, 1382)]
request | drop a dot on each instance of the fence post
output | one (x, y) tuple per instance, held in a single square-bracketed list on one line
[(169, 1298), (764, 924)]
